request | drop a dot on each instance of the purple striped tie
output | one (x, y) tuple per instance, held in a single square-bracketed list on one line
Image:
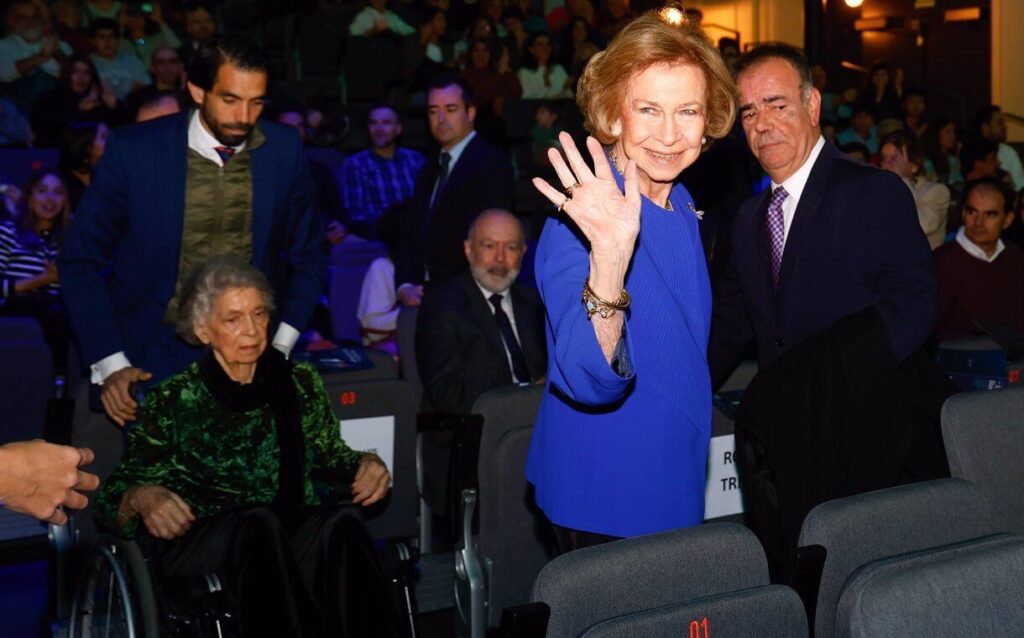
[(776, 231)]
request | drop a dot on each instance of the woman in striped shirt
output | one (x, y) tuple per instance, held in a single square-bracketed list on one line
[(28, 253)]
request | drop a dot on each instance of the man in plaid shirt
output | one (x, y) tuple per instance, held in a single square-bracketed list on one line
[(379, 178)]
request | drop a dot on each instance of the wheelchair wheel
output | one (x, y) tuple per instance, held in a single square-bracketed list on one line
[(114, 597)]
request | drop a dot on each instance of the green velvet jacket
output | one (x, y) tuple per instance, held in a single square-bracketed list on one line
[(215, 458)]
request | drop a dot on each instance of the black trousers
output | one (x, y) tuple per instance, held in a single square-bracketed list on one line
[(310, 573)]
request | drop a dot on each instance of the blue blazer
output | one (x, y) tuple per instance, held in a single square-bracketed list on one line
[(119, 263), (626, 455), (854, 242)]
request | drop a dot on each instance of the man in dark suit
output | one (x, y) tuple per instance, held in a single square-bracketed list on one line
[(481, 330), (170, 194), (828, 265), (468, 176)]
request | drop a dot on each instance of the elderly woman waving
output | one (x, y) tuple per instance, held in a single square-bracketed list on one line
[(620, 444), (220, 468)]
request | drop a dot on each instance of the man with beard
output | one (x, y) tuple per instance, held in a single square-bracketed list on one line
[(379, 178), (481, 330), (170, 194)]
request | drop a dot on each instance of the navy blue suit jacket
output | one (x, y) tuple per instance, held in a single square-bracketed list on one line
[(119, 263), (854, 242)]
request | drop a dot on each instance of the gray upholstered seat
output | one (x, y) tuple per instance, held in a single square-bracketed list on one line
[(497, 570), (984, 437), (633, 575), (773, 611), (973, 589), (859, 529)]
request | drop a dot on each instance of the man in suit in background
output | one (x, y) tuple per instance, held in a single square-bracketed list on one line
[(474, 333), (833, 245), (170, 194), (468, 176)]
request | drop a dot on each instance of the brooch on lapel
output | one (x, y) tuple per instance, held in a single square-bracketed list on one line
[(698, 213)]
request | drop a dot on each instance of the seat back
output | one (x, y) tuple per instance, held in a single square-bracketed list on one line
[(859, 529), (973, 589), (590, 585), (18, 164), (984, 437), (407, 346), (381, 416), (26, 379), (513, 533), (761, 612)]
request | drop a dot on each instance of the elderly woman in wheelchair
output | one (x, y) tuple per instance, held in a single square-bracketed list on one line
[(227, 468)]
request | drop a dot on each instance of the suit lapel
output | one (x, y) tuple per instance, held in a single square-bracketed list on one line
[(806, 210), (466, 159)]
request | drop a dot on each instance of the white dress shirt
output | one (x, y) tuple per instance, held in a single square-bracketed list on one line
[(976, 251), (203, 142), (794, 186), (506, 305)]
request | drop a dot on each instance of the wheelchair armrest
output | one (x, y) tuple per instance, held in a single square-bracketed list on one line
[(525, 621), (469, 572)]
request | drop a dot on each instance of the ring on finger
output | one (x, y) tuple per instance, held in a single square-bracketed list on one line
[(568, 190), (561, 207)]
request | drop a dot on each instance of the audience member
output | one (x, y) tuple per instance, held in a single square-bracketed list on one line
[(148, 32), (980, 158), (539, 76), (30, 58), (942, 153), (981, 278), (38, 479), (856, 151), (70, 25), (158, 105), (862, 128), (375, 18), (888, 126), (544, 133), (294, 561), (82, 146), (145, 219), (79, 97), (433, 26), (882, 93), (378, 300), (28, 270), (378, 179), (990, 123), (901, 154), (577, 48), (483, 28), (328, 195), (914, 119), (839, 308), (168, 73), (115, 62), (200, 26), (515, 41), (492, 83), (468, 176), (102, 10), (830, 102), (481, 330), (615, 16), (14, 128), (532, 21)]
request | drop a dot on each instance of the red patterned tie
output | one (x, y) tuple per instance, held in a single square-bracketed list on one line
[(225, 152)]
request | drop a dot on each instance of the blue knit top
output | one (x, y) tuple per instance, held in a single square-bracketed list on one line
[(626, 455)]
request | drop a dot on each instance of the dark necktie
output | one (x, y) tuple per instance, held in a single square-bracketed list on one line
[(519, 370), (225, 152), (776, 231), (442, 175)]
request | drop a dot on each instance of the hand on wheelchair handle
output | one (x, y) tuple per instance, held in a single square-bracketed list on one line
[(165, 514), (372, 481)]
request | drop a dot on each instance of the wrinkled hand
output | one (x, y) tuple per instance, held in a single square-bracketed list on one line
[(336, 232), (38, 477), (410, 295), (163, 512), (372, 481), (115, 396), (609, 219)]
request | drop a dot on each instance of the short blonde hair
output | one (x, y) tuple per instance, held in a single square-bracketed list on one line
[(645, 42)]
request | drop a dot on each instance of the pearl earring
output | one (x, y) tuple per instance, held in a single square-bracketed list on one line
[(703, 141)]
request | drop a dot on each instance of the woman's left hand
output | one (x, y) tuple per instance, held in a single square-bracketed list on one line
[(372, 481)]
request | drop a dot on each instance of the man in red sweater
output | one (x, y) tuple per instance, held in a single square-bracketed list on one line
[(981, 278)]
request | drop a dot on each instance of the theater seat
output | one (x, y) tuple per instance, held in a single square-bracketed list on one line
[(648, 573), (850, 532), (973, 589), (984, 437), (26, 379), (774, 611)]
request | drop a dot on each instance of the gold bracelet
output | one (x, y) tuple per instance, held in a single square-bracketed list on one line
[(596, 305)]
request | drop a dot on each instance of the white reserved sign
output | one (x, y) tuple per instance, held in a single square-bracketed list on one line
[(722, 492), (373, 434)]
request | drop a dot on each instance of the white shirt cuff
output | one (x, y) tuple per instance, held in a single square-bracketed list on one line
[(285, 338), (107, 366)]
